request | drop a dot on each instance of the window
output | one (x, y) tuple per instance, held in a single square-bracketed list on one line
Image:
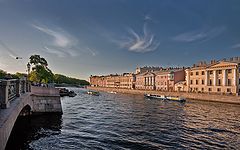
[(197, 73), (203, 73), (202, 81), (191, 73), (211, 72), (219, 71), (228, 90), (219, 89), (219, 81), (209, 89), (202, 89), (229, 71), (191, 82), (229, 82), (196, 81), (210, 82)]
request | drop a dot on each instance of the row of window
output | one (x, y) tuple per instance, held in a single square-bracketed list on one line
[(208, 90), (219, 82), (229, 71)]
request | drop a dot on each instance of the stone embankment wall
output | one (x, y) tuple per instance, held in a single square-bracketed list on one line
[(46, 100), (193, 96)]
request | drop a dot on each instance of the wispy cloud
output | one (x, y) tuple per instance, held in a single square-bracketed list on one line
[(203, 35), (136, 42), (63, 43), (236, 46), (92, 51), (59, 53)]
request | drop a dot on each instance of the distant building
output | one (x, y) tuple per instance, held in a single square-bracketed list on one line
[(166, 79), (146, 68), (220, 77), (145, 81), (217, 77), (163, 80)]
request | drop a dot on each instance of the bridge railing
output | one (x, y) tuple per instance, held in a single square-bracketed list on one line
[(11, 89)]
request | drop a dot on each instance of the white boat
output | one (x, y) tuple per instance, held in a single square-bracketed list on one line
[(93, 93), (163, 97), (112, 92)]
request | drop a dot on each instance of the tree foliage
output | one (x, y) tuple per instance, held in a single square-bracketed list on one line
[(60, 79), (40, 72), (2, 74)]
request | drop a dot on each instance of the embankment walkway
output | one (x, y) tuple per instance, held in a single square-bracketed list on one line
[(193, 96)]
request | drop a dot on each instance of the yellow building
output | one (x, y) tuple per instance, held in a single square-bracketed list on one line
[(220, 77)]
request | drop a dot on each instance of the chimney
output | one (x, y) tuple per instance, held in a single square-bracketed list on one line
[(235, 58)]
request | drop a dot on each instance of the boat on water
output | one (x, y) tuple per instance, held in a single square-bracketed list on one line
[(163, 97), (66, 92), (93, 93), (154, 96), (72, 94), (112, 92)]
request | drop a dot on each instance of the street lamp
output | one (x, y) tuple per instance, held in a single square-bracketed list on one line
[(28, 71), (28, 67)]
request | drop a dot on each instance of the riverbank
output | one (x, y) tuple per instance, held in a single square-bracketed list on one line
[(193, 96)]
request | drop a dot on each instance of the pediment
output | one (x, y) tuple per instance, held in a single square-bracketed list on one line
[(222, 64)]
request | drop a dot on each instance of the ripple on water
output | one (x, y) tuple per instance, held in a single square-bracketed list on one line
[(124, 121)]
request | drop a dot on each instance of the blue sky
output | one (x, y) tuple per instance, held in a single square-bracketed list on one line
[(80, 38)]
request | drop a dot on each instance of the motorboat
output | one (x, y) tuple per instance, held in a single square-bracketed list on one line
[(71, 94), (66, 92), (176, 98), (93, 93), (112, 92), (163, 97), (155, 96)]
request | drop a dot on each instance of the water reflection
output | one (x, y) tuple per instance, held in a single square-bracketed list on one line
[(31, 128)]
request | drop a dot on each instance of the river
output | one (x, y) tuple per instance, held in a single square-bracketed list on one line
[(125, 121)]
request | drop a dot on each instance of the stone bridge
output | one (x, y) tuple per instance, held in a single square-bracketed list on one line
[(19, 98)]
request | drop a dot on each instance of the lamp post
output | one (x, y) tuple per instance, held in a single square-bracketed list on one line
[(28, 71)]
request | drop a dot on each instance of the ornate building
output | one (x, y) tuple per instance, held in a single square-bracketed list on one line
[(166, 80), (218, 77), (145, 81)]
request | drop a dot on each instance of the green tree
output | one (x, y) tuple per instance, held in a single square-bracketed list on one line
[(2, 74), (40, 72)]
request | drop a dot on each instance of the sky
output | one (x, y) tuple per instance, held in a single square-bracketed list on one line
[(80, 38)]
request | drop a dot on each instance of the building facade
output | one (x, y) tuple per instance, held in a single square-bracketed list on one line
[(166, 80), (145, 81), (219, 77)]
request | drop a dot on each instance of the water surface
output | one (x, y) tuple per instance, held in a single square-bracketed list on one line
[(125, 121)]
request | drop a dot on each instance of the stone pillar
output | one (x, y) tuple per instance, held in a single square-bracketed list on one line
[(224, 77), (187, 78), (206, 78), (147, 80), (234, 77), (4, 86), (214, 77), (18, 90)]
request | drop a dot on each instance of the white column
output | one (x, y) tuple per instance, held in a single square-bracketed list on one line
[(224, 77), (234, 77), (206, 78), (214, 78)]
